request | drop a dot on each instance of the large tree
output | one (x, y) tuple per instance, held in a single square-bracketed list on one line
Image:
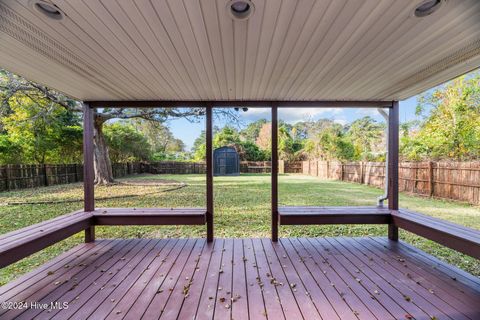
[(14, 87), (368, 138), (450, 126)]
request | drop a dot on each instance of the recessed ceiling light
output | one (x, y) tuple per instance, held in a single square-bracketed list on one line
[(48, 9), (427, 7), (240, 9)]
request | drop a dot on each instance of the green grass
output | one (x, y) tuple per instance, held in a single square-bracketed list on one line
[(242, 209)]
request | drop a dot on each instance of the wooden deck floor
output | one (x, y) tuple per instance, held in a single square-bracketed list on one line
[(309, 278)]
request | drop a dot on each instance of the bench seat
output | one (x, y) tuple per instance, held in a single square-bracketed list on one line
[(150, 216), (21, 243), (452, 235), (333, 215)]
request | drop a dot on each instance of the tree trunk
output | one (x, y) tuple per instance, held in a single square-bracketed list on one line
[(102, 163)]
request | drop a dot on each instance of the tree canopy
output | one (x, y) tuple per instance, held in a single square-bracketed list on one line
[(450, 126)]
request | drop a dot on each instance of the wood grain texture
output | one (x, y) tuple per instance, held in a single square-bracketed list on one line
[(294, 278), (333, 215)]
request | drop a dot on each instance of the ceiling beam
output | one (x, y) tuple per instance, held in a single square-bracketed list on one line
[(238, 103)]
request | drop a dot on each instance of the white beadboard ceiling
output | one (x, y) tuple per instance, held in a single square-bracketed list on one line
[(194, 50)]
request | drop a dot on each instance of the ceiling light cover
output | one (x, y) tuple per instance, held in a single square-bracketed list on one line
[(427, 7), (240, 9), (47, 9)]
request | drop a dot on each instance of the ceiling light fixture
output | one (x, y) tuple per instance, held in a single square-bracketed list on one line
[(48, 9), (427, 7), (240, 9)]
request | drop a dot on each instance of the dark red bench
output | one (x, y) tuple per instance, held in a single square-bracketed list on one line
[(452, 235), (21, 243), (149, 216), (333, 215)]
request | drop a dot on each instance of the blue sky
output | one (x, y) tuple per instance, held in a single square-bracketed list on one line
[(188, 131)]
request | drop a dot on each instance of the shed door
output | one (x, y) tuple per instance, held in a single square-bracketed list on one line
[(222, 165), (231, 163)]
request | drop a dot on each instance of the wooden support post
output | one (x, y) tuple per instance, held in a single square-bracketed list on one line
[(88, 170), (274, 173), (209, 164), (393, 123)]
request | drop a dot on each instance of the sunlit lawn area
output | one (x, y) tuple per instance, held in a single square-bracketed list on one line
[(242, 209)]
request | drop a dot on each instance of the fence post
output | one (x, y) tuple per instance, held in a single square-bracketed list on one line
[(76, 171), (361, 173), (7, 177), (430, 177), (45, 176)]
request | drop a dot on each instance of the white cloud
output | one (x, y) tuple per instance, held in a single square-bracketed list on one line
[(341, 121), (367, 112), (293, 115)]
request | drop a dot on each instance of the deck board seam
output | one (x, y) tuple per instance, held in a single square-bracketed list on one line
[(362, 287), (405, 297), (396, 269)]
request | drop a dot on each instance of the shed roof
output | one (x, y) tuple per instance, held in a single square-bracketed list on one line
[(194, 50)]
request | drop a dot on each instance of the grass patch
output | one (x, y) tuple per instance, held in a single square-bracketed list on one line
[(242, 209)]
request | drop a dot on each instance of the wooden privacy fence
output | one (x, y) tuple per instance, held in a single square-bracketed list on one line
[(447, 180), (22, 176)]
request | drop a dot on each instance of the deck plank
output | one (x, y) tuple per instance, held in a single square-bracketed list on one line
[(189, 310), (341, 282), (70, 290), (304, 278), (434, 265), (437, 295), (134, 277), (93, 296), (281, 267), (364, 290), (255, 294), (178, 277), (287, 298), (437, 305), (53, 265), (181, 293), (49, 285), (154, 272), (209, 294), (273, 304), (416, 305), (239, 289), (429, 271), (318, 296), (163, 283), (223, 303), (81, 294)]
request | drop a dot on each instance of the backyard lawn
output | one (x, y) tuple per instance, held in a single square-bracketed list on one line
[(242, 209)]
